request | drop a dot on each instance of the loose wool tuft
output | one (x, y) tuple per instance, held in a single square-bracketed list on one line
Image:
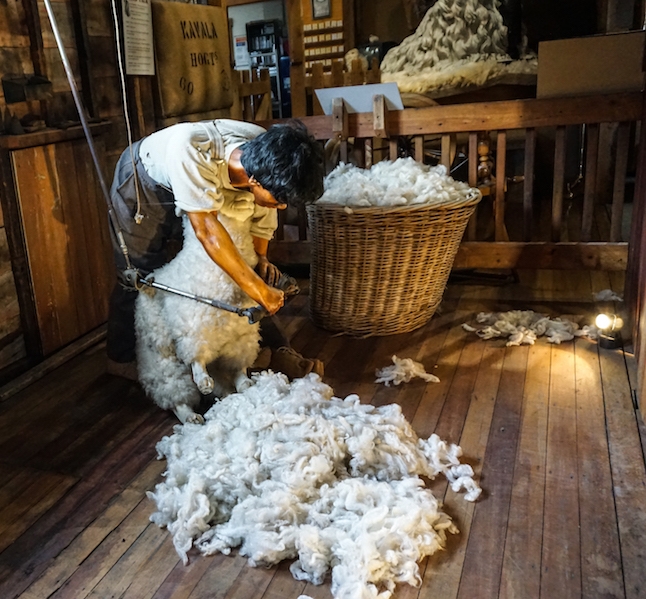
[(289, 471), (607, 295), (403, 370), (523, 327), (403, 182)]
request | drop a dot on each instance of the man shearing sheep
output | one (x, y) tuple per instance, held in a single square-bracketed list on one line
[(201, 169)]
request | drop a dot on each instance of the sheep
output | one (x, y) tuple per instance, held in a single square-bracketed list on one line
[(179, 338)]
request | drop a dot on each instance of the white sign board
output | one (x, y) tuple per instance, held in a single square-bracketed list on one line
[(241, 52), (358, 98), (138, 37)]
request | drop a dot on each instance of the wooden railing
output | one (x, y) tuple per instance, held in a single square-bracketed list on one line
[(254, 94), (505, 240), (339, 75)]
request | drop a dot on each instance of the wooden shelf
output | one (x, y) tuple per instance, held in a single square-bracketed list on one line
[(49, 136)]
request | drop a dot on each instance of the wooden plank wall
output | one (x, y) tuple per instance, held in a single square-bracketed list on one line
[(15, 57), (12, 346), (66, 235), (15, 51)]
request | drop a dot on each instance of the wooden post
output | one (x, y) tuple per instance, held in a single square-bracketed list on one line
[(340, 126), (473, 182), (528, 183), (297, 57), (380, 116), (589, 191), (356, 74), (262, 102), (247, 108), (557, 189), (318, 82), (37, 49), (337, 73), (619, 187), (499, 206)]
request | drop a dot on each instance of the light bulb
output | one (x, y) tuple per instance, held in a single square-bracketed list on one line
[(603, 321)]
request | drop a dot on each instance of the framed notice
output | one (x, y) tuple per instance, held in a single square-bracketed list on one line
[(138, 37), (321, 9), (241, 57)]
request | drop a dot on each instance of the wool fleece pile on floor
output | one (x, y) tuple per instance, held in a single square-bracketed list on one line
[(286, 471)]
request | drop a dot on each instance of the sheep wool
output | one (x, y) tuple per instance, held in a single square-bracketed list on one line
[(403, 370), (286, 470), (523, 327), (459, 43), (177, 338), (607, 295), (403, 182)]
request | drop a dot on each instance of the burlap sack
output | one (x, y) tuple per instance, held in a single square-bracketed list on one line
[(192, 58)]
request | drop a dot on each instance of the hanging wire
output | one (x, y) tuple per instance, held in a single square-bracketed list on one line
[(126, 113), (81, 112), (255, 313)]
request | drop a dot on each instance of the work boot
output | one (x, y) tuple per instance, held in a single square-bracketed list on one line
[(293, 365), (126, 370), (262, 360)]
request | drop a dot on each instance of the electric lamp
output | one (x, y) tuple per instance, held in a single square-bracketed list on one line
[(609, 326)]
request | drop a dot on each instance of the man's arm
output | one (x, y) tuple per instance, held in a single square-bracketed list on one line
[(221, 249)]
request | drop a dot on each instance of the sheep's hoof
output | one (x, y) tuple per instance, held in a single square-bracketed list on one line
[(201, 378), (242, 383), (205, 385), (186, 415), (195, 419)]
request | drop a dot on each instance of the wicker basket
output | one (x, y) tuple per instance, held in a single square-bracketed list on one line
[(380, 271)]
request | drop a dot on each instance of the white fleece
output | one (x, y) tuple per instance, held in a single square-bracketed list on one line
[(523, 327), (174, 332), (403, 182), (286, 471), (459, 43)]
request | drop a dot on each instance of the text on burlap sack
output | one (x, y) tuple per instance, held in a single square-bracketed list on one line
[(192, 54)]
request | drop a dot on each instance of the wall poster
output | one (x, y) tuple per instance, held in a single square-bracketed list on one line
[(138, 37)]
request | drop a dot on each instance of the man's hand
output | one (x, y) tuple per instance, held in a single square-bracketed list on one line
[(267, 271), (221, 249), (273, 299)]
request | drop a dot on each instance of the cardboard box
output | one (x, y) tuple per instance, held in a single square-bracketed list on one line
[(604, 64)]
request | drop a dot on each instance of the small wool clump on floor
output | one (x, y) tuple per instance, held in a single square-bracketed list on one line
[(286, 470), (403, 182), (402, 371), (523, 327), (607, 295)]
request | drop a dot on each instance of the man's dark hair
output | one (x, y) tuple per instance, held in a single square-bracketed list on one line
[(287, 161)]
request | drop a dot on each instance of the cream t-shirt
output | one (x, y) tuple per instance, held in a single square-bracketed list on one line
[(191, 160)]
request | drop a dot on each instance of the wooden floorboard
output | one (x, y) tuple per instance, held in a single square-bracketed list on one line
[(487, 535), (561, 556), (628, 474), (521, 568), (551, 432), (600, 550)]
